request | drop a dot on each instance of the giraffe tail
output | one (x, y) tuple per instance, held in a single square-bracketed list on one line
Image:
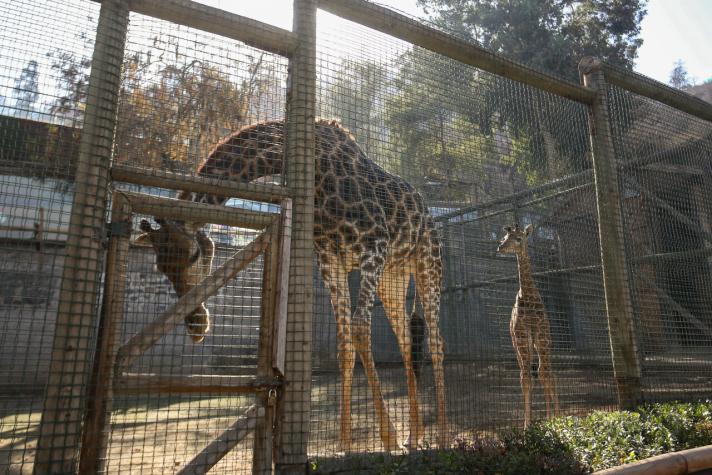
[(417, 338)]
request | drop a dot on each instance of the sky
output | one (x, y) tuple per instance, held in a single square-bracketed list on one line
[(672, 30)]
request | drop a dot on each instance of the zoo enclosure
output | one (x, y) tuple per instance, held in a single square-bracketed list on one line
[(620, 147)]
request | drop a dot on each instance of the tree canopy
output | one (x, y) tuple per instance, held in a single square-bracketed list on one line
[(550, 35)]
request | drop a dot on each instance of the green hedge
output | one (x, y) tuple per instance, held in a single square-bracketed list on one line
[(565, 445)]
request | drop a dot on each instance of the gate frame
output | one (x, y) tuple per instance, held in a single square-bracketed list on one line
[(110, 377)]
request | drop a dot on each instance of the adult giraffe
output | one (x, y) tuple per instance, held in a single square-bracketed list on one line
[(366, 219)]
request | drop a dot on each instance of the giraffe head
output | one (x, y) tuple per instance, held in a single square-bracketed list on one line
[(515, 241), (184, 254)]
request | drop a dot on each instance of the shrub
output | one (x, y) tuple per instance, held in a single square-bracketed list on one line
[(561, 446)]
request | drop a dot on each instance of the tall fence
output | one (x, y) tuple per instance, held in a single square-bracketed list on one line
[(224, 330)]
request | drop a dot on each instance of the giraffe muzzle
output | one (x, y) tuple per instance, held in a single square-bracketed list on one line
[(197, 324)]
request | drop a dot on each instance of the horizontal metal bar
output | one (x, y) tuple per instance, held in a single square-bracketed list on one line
[(208, 287), (583, 177), (678, 255), (400, 26), (137, 383), (214, 20), (683, 255), (266, 192), (650, 88), (173, 208)]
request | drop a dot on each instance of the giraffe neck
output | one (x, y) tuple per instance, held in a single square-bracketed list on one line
[(249, 154), (526, 280)]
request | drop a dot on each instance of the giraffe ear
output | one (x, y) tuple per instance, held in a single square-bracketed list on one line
[(529, 229)]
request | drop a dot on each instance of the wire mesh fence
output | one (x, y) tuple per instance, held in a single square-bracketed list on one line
[(664, 156), (484, 152), (448, 237)]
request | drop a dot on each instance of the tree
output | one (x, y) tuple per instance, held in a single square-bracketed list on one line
[(546, 135), (354, 97), (679, 78), (549, 35), (171, 109), (26, 89)]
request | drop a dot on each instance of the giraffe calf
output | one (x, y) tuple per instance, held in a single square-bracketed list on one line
[(529, 326)]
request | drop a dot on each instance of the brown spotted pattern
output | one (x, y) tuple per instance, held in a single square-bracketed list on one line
[(529, 326), (369, 220)]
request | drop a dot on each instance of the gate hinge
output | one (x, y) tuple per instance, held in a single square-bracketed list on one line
[(118, 228)]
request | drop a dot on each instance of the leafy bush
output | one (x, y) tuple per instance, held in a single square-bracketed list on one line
[(565, 445)]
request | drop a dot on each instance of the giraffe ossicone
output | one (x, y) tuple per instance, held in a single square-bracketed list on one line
[(529, 326), (365, 219)]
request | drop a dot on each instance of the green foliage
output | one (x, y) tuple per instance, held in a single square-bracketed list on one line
[(565, 445), (550, 35)]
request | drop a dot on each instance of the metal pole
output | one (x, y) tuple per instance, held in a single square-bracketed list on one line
[(72, 348), (295, 405), (616, 278)]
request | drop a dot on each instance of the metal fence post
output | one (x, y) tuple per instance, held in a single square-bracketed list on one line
[(61, 424), (616, 278), (295, 406)]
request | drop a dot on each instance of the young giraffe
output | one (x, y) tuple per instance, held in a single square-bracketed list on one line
[(366, 219), (529, 325)]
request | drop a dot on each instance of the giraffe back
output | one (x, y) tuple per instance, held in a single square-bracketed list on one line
[(357, 203)]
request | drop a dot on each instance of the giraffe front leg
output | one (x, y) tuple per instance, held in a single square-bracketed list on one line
[(520, 341), (542, 344)]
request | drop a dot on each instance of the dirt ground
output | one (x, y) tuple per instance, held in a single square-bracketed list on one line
[(158, 435)]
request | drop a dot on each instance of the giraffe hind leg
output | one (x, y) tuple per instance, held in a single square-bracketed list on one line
[(428, 281), (392, 289)]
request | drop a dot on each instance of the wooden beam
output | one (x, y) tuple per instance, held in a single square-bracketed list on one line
[(262, 453), (265, 192), (208, 287), (294, 404), (616, 276), (137, 383), (197, 212), (92, 458), (280, 327), (214, 20), (217, 449), (70, 365), (408, 29), (652, 89)]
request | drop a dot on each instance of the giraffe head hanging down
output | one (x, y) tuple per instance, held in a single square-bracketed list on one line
[(529, 326), (184, 254), (366, 219)]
